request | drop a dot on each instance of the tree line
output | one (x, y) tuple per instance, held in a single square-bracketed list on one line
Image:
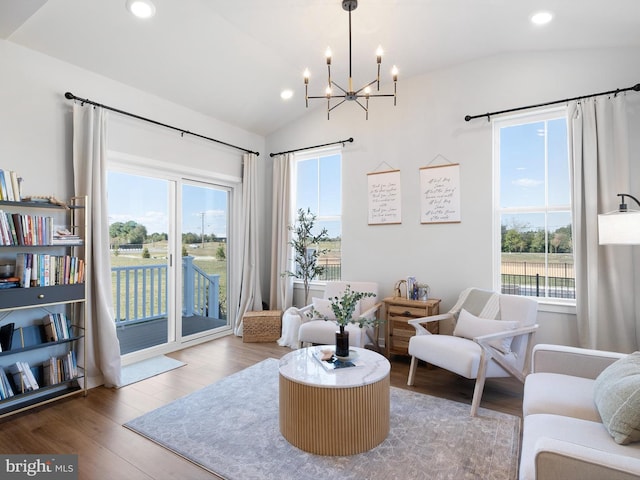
[(133, 233), (524, 239)]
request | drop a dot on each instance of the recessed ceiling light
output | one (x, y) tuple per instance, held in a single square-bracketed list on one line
[(541, 18), (286, 94), (141, 8)]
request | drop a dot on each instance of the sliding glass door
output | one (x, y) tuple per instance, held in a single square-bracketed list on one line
[(139, 223), (169, 259), (205, 223)]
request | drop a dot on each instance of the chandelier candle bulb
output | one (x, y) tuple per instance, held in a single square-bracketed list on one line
[(327, 54)]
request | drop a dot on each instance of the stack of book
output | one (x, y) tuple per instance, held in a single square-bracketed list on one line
[(44, 270), (22, 229), (9, 186), (57, 326), (10, 282), (23, 377), (5, 387), (62, 236), (60, 369)]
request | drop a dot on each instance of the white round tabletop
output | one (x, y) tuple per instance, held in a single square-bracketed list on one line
[(302, 366)]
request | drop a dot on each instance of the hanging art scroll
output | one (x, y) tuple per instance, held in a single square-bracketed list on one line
[(384, 197), (440, 194)]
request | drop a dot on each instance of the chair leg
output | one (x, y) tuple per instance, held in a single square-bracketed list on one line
[(480, 379), (412, 371)]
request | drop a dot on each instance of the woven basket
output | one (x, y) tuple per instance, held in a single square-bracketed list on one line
[(262, 326)]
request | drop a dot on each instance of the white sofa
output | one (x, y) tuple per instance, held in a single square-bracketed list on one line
[(564, 436)]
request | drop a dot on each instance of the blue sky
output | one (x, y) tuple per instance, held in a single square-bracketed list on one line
[(145, 200), (522, 171), (327, 201)]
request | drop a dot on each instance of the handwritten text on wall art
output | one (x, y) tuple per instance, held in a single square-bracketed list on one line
[(440, 194), (384, 197)]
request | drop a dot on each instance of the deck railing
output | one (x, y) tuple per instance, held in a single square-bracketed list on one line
[(140, 292)]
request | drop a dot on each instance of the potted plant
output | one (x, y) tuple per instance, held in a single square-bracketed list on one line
[(305, 255), (343, 308)]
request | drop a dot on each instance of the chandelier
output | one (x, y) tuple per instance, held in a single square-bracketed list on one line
[(349, 94)]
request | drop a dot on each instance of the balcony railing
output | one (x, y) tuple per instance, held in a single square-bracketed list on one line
[(140, 292)]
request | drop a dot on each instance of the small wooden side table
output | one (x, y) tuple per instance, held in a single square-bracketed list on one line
[(398, 312)]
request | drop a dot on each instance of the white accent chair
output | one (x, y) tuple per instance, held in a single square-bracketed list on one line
[(323, 332), (493, 337)]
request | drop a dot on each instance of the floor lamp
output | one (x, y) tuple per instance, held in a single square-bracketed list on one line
[(620, 227)]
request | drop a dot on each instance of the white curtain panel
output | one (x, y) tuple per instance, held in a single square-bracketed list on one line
[(89, 168), (606, 287), (250, 295), (281, 293)]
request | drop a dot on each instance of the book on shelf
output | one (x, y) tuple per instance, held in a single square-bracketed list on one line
[(23, 269), (23, 377), (27, 337), (57, 326), (6, 390), (64, 236), (60, 369), (329, 361), (43, 270), (6, 336)]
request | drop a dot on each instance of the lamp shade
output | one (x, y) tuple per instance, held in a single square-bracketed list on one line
[(619, 228)]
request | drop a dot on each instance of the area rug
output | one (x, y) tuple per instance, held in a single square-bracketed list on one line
[(147, 368), (231, 428)]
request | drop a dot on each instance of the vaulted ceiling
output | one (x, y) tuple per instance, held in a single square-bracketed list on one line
[(231, 59)]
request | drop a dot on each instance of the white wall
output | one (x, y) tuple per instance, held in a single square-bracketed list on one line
[(429, 121), (36, 128)]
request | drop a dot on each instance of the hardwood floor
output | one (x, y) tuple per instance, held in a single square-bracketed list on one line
[(91, 426)]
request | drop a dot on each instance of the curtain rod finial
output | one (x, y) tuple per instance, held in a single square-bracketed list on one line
[(69, 96)]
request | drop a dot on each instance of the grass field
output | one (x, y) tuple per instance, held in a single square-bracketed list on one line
[(204, 257)]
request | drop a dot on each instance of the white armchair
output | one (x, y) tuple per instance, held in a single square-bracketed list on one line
[(319, 331), (493, 337)]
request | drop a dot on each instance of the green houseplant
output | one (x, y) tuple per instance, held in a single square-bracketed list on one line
[(343, 308), (306, 256)]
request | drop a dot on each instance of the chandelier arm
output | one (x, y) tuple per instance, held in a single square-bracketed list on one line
[(336, 85), (337, 104), (365, 86), (362, 106), (374, 95), (332, 96)]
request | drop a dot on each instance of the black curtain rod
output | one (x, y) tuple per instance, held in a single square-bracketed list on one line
[(636, 88), (71, 96), (315, 146)]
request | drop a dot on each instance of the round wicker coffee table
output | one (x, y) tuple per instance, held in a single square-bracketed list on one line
[(334, 412)]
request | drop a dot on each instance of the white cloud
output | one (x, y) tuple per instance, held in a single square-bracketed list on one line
[(527, 182)]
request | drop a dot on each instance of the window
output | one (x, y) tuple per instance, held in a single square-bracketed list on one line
[(318, 186), (533, 206)]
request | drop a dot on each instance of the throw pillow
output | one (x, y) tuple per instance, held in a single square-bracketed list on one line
[(322, 309), (617, 397), (469, 326)]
